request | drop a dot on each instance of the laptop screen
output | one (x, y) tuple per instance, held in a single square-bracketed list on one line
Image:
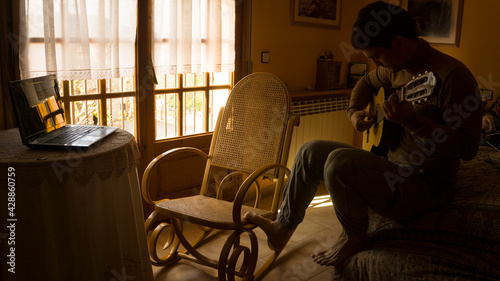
[(38, 105)]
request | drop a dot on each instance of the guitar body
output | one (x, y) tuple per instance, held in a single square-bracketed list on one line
[(384, 134)]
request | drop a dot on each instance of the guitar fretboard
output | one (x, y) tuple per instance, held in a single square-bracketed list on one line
[(417, 89)]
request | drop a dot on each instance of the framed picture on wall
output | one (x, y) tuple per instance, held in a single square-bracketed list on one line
[(438, 21), (325, 13)]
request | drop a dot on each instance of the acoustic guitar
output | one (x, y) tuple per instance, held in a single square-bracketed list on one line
[(384, 134)]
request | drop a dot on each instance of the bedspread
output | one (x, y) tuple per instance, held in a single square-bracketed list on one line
[(460, 241)]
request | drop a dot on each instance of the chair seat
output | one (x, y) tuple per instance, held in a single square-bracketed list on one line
[(206, 211)]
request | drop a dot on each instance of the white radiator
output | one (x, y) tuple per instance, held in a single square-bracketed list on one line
[(321, 119)]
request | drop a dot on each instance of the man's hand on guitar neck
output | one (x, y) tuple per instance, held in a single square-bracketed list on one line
[(396, 112), (362, 120)]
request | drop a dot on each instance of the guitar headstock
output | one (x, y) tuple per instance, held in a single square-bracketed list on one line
[(419, 89)]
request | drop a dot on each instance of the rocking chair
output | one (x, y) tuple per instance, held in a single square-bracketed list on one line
[(251, 140)]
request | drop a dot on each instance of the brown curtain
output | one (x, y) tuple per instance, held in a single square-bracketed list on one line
[(9, 69)]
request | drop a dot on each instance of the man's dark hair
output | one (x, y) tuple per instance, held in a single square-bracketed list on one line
[(378, 23)]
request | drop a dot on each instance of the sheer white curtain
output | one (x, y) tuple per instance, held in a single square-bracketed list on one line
[(77, 39), (193, 36)]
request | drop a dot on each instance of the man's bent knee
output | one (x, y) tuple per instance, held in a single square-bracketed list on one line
[(318, 150), (340, 163)]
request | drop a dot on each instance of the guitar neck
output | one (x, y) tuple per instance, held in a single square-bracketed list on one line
[(418, 89)]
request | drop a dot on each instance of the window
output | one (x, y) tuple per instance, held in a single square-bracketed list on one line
[(188, 104), (90, 45), (193, 47), (109, 102), (93, 54)]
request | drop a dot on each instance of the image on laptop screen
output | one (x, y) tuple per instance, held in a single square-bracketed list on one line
[(38, 105)]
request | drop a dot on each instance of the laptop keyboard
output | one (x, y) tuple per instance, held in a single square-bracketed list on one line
[(70, 134)]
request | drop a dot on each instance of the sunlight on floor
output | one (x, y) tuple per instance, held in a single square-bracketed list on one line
[(321, 201)]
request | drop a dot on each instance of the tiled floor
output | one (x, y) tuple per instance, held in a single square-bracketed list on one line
[(319, 231)]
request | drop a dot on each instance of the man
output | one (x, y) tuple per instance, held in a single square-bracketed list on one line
[(418, 173)]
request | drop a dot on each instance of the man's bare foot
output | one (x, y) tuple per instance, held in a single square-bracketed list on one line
[(277, 234), (345, 247)]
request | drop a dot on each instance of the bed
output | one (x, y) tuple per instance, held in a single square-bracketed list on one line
[(460, 241)]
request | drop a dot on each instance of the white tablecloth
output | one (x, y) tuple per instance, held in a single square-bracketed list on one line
[(77, 214)]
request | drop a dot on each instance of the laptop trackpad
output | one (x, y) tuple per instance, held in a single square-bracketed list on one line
[(93, 136)]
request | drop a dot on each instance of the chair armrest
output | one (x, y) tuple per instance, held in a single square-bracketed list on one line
[(158, 160), (240, 196), (294, 120)]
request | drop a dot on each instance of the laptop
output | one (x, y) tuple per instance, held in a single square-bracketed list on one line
[(41, 120)]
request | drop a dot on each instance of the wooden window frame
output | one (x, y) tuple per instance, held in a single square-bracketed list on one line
[(102, 96), (180, 92)]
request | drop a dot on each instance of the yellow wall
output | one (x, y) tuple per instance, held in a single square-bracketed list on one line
[(480, 42), (295, 48)]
